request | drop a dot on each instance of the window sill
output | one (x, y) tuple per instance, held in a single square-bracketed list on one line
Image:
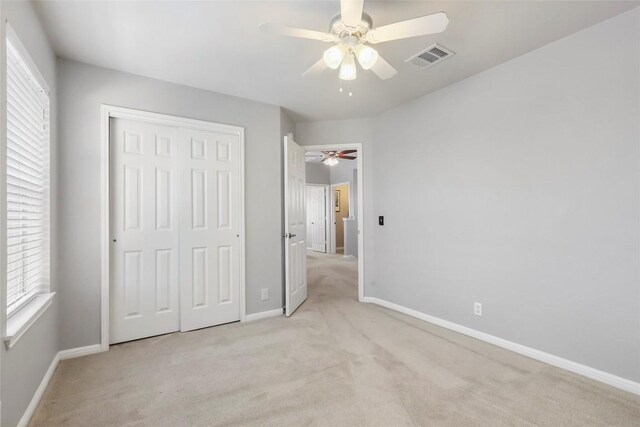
[(21, 321)]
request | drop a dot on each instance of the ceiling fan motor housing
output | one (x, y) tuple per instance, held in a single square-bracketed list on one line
[(340, 29)]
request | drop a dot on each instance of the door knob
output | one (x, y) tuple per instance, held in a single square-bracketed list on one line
[(291, 236)]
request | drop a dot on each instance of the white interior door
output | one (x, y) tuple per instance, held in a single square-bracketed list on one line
[(295, 226), (209, 228), (316, 218), (144, 296)]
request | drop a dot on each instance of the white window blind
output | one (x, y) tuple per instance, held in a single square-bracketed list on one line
[(27, 183)]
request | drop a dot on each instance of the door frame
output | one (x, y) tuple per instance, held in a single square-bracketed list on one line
[(327, 213), (362, 213), (106, 113), (333, 223)]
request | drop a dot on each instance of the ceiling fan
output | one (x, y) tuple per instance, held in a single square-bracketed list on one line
[(331, 158), (352, 31)]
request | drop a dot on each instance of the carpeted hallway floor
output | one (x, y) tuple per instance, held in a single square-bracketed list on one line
[(335, 362)]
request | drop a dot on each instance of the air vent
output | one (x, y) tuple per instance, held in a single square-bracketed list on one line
[(430, 56)]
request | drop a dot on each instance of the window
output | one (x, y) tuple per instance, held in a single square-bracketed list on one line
[(27, 179)]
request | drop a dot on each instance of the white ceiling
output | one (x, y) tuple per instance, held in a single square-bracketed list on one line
[(217, 45)]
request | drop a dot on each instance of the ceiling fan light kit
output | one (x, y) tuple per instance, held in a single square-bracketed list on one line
[(330, 161), (344, 53), (352, 30)]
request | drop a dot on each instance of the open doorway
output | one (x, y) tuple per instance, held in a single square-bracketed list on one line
[(333, 203)]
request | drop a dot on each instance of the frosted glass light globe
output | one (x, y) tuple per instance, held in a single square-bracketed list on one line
[(367, 56), (348, 68), (333, 56)]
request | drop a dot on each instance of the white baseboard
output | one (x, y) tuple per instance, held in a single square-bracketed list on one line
[(263, 315), (577, 368), (80, 351), (28, 413), (61, 355)]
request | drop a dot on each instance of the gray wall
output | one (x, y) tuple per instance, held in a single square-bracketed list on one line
[(519, 188), (23, 366), (343, 171), (317, 173), (83, 88)]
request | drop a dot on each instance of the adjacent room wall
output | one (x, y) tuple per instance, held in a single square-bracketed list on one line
[(317, 173), (23, 367), (83, 88), (343, 213), (346, 172), (343, 171), (520, 188)]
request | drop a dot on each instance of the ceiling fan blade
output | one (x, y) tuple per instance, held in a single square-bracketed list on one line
[(383, 69), (315, 68), (348, 157), (297, 32), (351, 12), (429, 24), (348, 151)]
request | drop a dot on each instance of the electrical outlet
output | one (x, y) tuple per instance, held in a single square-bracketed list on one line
[(477, 308), (265, 294)]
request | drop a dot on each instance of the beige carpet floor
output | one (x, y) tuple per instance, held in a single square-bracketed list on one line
[(335, 362)]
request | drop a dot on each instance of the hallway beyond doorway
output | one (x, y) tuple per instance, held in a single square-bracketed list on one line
[(331, 276)]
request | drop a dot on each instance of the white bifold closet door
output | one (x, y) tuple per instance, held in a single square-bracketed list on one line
[(209, 229), (174, 207), (144, 292)]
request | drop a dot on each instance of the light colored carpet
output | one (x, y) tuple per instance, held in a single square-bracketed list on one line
[(336, 362)]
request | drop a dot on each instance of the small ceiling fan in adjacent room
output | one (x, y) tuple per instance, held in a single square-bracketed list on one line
[(330, 158), (352, 32)]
